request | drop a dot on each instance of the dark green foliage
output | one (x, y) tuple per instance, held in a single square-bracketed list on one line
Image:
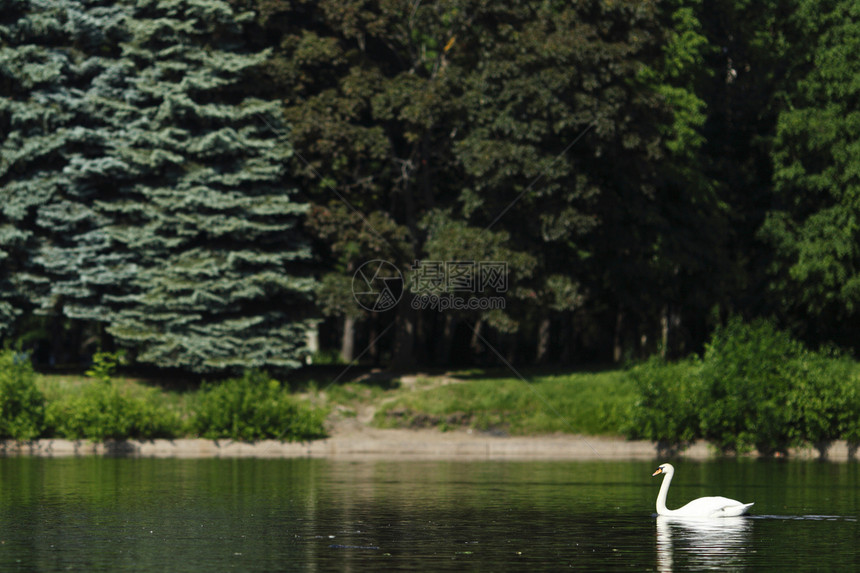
[(254, 407), (449, 239), (755, 388), (451, 118), (624, 158), (670, 398), (825, 397), (748, 375), (813, 225), (22, 405)]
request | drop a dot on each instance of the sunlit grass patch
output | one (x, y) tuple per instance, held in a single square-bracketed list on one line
[(352, 392), (588, 403), (83, 407)]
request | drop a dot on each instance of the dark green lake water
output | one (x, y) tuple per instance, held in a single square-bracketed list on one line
[(108, 514)]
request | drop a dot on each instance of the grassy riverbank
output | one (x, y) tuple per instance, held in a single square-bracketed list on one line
[(754, 388), (622, 402), (592, 403), (101, 406)]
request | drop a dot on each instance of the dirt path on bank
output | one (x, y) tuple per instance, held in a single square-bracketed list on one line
[(358, 416)]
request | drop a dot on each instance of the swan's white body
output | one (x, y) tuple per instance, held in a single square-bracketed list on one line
[(703, 507)]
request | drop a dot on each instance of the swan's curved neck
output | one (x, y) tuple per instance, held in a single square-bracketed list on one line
[(664, 492)]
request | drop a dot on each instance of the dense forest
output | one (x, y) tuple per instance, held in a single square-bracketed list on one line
[(207, 184)]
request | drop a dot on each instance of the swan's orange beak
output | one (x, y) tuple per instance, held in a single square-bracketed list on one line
[(658, 472)]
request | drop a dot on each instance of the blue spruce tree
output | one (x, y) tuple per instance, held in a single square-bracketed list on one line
[(142, 188)]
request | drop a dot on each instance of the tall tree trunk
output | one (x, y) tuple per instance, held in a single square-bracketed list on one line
[(512, 347), (679, 338), (373, 347), (426, 185), (566, 338), (543, 339), (312, 342), (404, 337), (664, 331), (446, 341), (617, 348), (421, 347), (62, 337), (643, 343), (347, 341), (476, 344)]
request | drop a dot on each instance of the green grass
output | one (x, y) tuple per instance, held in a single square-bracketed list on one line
[(588, 403), (84, 407), (63, 386), (592, 403), (355, 393), (653, 401)]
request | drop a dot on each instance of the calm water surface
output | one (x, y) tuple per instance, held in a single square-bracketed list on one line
[(109, 514)]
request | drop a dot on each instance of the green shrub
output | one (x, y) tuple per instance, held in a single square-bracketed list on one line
[(825, 397), (670, 400), (104, 366), (22, 404), (747, 375), (101, 411), (766, 390), (253, 407), (756, 387)]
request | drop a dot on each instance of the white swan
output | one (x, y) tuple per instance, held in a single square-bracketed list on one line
[(702, 507)]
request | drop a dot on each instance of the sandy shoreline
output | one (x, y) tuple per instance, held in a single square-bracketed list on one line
[(371, 443)]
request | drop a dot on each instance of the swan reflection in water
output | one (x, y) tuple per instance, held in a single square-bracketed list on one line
[(702, 542)]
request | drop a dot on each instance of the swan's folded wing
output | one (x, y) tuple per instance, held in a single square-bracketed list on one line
[(735, 510), (716, 506)]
